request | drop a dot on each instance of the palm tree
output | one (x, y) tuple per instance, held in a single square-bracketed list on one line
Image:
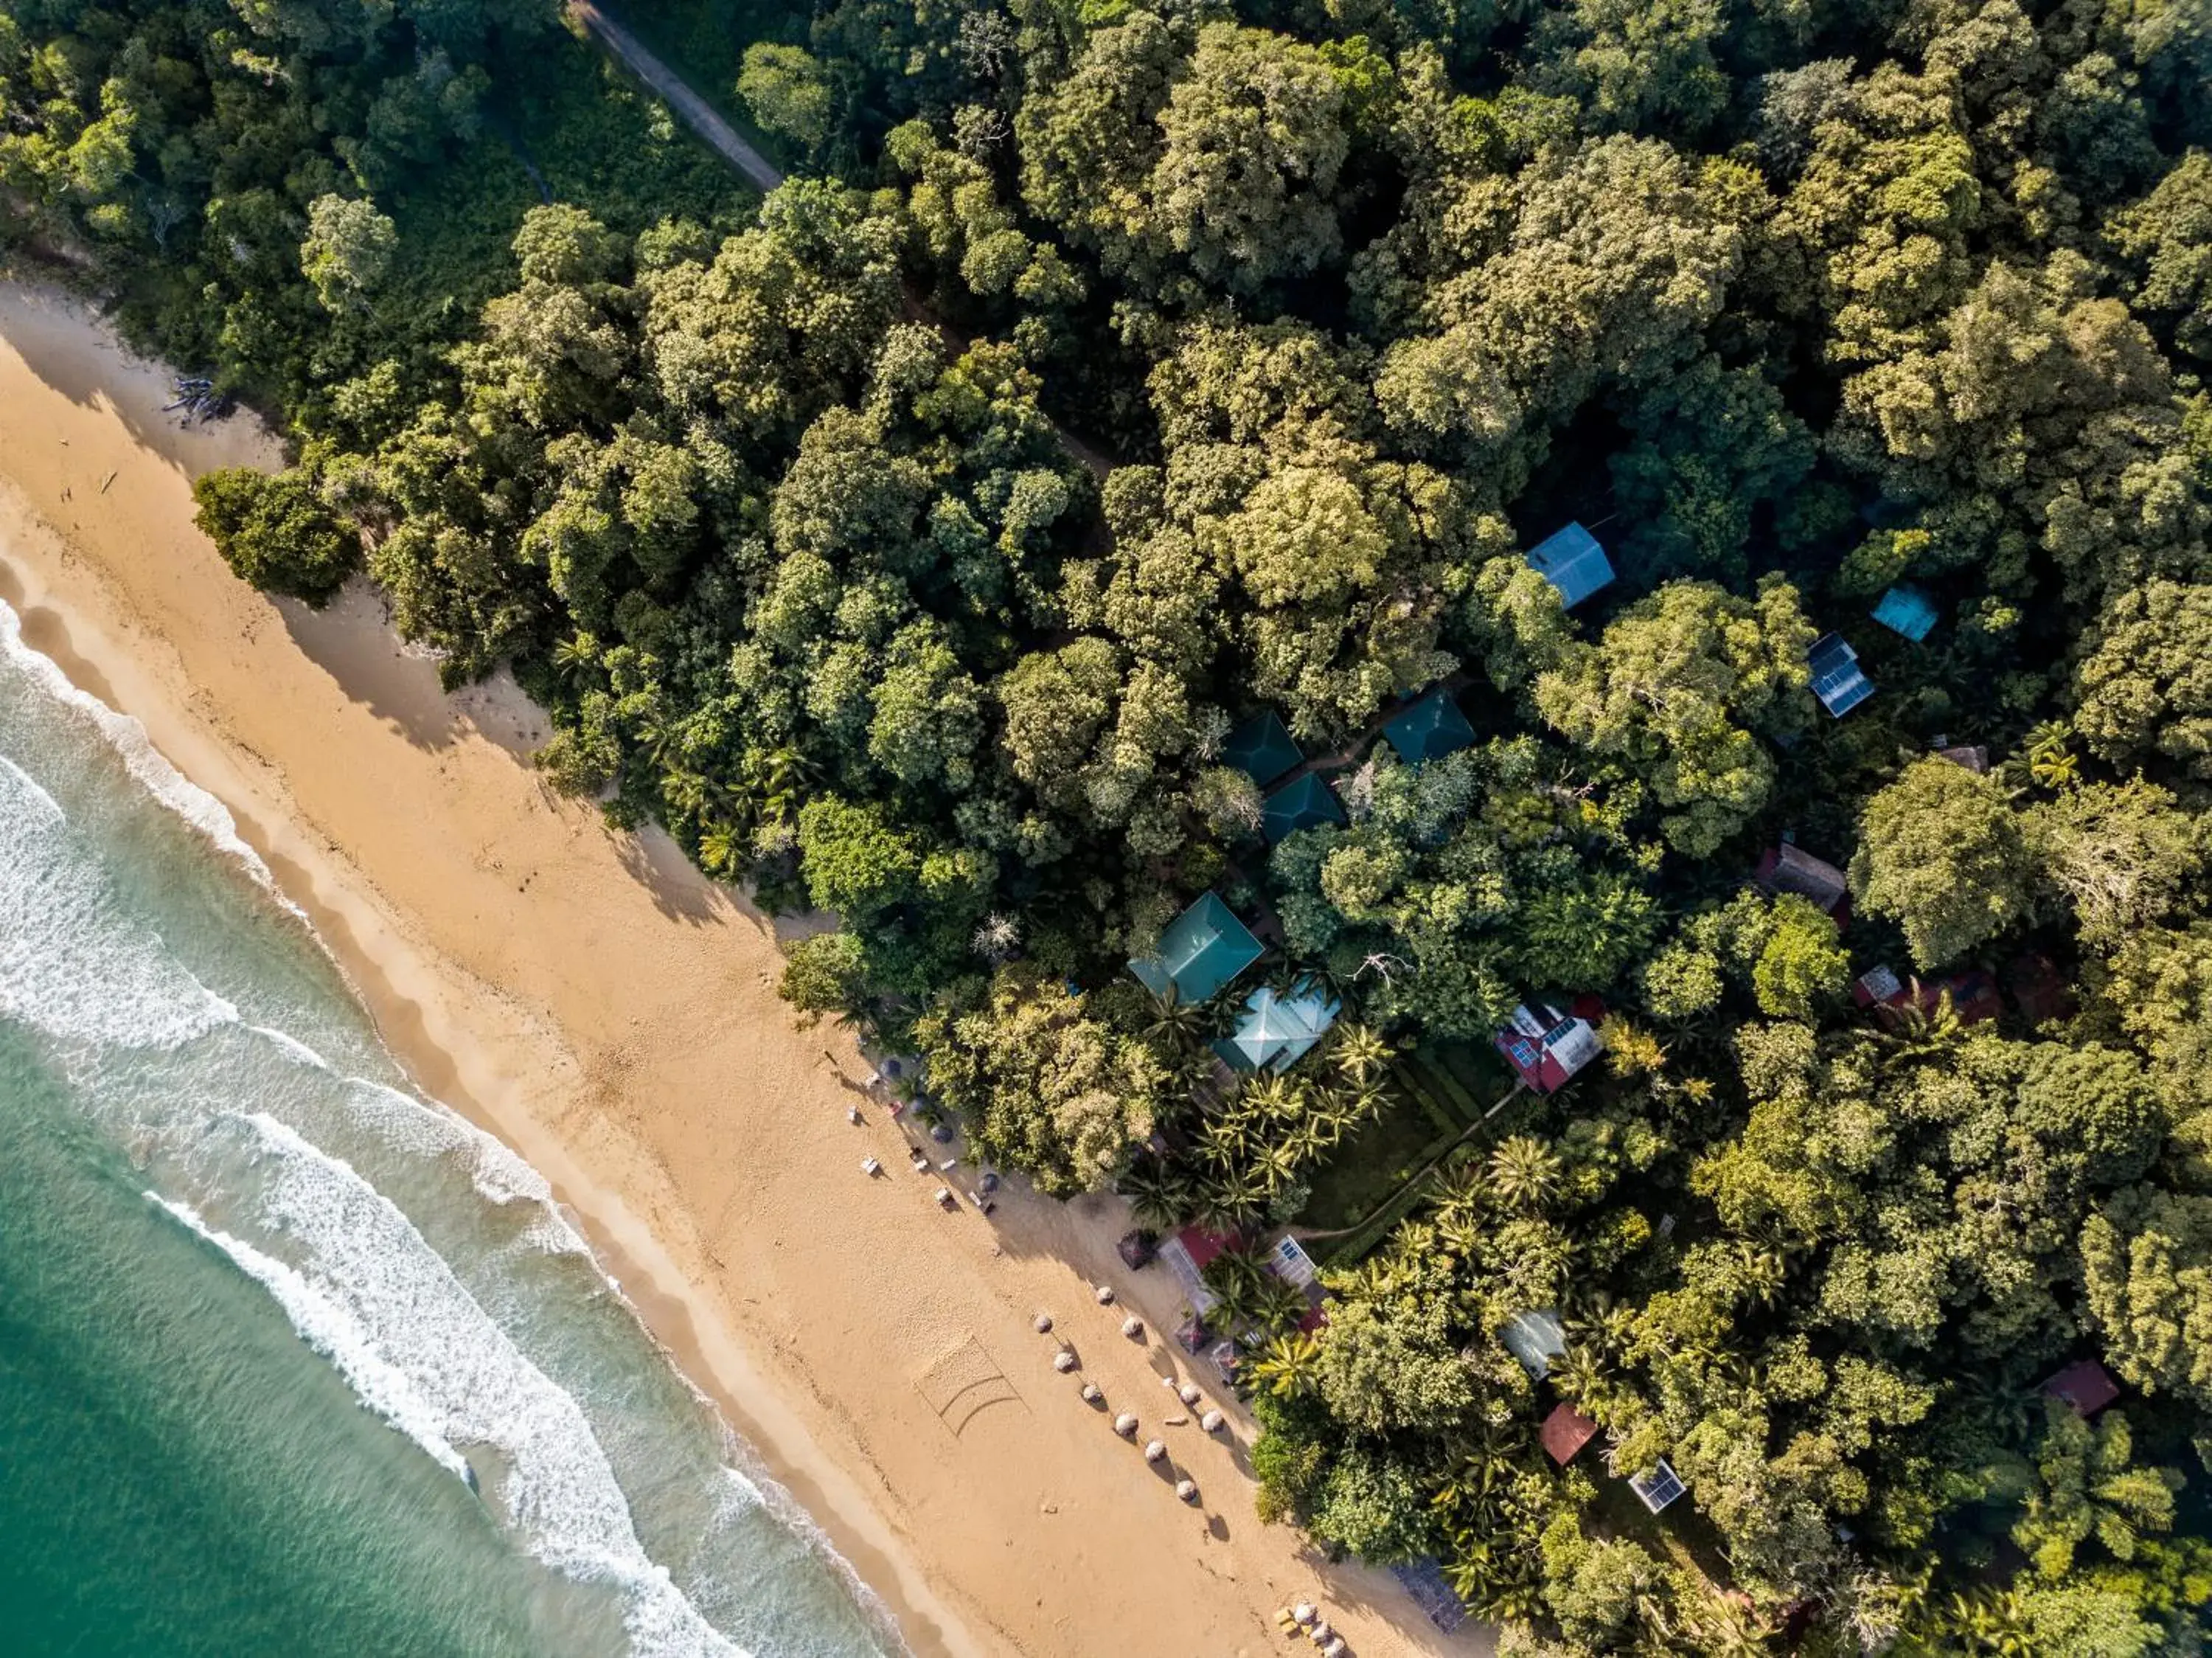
[(1525, 1173), (1289, 1364), (1361, 1053), (1178, 1026), (1579, 1374), (721, 849), (574, 654), (1989, 1623), (1224, 1201), (1278, 1305), (1275, 1097), (1160, 1194)]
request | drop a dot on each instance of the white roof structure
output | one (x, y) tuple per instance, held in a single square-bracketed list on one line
[(1534, 1338)]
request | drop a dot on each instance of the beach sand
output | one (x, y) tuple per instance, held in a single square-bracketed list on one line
[(612, 1013)]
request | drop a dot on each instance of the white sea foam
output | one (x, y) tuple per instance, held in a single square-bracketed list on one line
[(292, 1047), (128, 738), (324, 1326), (365, 1259), (71, 963)]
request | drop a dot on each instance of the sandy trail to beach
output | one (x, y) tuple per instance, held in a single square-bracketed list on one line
[(612, 1013)]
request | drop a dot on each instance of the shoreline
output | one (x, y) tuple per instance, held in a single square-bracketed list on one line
[(609, 1013)]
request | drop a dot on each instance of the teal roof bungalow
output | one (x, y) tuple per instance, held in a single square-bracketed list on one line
[(1301, 805), (1429, 730), (1260, 748), (1274, 1032), (1202, 949), (1908, 611), (1572, 561)]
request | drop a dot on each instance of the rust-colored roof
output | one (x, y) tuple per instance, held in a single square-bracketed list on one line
[(1566, 1432), (2085, 1384)]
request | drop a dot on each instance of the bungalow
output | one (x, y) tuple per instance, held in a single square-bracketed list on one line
[(1535, 1338), (1785, 868), (2086, 1385), (1973, 995), (1202, 949), (1907, 611), (1837, 679), (1545, 1047), (1428, 728), (1274, 1032), (1260, 748), (1564, 1432), (1304, 804), (1572, 561)]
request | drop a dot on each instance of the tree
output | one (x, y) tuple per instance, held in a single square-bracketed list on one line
[(2143, 1255), (1680, 688), (2144, 685), (348, 251), (1044, 1086), (2122, 855), (1803, 967), (2089, 1489), (275, 531), (1386, 1366), (1943, 854), (788, 92)]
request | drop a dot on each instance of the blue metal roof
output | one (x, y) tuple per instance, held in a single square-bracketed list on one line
[(1276, 1032), (1203, 949), (1837, 679), (1261, 748), (1572, 561), (1299, 805), (1428, 728), (1908, 611)]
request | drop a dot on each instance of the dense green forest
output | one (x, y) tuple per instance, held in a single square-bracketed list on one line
[(909, 544)]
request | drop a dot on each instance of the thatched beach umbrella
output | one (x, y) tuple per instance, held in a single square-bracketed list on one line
[(1154, 1451), (1126, 1425)]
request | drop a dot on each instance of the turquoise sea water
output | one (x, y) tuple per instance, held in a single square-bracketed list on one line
[(292, 1360)]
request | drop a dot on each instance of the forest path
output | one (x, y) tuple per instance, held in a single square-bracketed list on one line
[(694, 112)]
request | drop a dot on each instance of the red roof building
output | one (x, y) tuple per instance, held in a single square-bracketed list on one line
[(1546, 1045), (1566, 1432), (1973, 995), (2086, 1385)]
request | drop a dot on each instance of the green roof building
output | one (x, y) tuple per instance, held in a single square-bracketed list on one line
[(1300, 805), (1429, 729), (1203, 949), (1261, 748)]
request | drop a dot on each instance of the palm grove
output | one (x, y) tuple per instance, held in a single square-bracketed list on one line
[(907, 542)]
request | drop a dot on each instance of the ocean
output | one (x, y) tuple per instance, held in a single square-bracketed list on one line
[(292, 1360)]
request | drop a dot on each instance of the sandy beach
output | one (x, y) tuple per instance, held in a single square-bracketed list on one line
[(612, 1013)]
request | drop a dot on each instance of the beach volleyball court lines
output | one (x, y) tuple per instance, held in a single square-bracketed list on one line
[(963, 1382)]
